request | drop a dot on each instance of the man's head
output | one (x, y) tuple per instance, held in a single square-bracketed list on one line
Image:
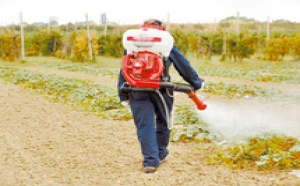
[(153, 23)]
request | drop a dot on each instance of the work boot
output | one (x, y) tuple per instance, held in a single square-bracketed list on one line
[(149, 169)]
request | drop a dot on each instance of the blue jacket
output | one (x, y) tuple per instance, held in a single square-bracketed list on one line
[(181, 64)]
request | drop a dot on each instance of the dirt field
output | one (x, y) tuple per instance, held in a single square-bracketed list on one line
[(49, 144)]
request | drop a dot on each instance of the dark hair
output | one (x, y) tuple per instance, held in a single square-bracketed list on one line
[(153, 23)]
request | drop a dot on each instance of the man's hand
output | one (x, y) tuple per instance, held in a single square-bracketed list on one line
[(202, 84)]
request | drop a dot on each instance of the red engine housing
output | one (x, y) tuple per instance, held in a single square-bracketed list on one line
[(142, 69)]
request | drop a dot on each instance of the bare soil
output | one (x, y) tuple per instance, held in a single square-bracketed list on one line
[(46, 143)]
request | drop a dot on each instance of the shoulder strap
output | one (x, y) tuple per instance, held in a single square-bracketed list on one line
[(165, 75)]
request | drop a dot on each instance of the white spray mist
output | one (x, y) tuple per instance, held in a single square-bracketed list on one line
[(239, 121)]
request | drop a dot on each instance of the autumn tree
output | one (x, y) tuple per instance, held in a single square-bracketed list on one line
[(181, 40), (79, 45), (43, 43), (295, 46), (276, 48), (10, 46), (111, 45)]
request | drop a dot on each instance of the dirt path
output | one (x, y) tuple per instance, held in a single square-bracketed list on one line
[(47, 143)]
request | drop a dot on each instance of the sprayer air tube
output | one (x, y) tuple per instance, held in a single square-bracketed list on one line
[(186, 89), (177, 87), (168, 85)]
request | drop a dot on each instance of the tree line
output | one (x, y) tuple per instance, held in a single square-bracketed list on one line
[(71, 42)]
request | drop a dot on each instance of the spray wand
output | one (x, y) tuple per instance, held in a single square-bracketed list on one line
[(185, 89)]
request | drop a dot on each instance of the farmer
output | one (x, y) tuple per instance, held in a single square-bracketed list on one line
[(147, 107)]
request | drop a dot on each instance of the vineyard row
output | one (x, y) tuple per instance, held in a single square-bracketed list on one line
[(74, 45)]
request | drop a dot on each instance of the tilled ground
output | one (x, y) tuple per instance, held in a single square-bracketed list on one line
[(47, 143)]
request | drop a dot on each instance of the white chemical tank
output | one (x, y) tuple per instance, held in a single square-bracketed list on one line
[(147, 39)]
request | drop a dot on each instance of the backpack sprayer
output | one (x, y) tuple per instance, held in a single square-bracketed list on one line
[(143, 66)]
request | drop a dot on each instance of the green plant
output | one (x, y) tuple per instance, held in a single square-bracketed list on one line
[(268, 151), (81, 94)]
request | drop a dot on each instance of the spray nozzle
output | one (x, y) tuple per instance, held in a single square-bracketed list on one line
[(200, 104)]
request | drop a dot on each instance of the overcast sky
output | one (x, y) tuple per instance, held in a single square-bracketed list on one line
[(135, 11)]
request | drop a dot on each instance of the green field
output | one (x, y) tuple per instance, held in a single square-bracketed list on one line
[(278, 82)]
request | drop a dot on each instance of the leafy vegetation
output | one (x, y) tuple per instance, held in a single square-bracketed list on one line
[(70, 41), (81, 94), (263, 152), (79, 45), (188, 127), (221, 88), (111, 45), (269, 151), (10, 45), (256, 73), (44, 43), (86, 69), (238, 91)]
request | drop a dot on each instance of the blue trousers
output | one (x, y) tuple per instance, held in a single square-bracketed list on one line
[(151, 123)]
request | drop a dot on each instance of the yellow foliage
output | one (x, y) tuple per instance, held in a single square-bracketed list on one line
[(80, 47), (269, 152)]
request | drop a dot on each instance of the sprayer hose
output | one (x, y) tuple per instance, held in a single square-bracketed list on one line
[(170, 125)]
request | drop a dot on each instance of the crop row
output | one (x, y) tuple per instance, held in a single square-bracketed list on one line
[(81, 94), (86, 69), (263, 152), (222, 89), (266, 152), (254, 73)]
